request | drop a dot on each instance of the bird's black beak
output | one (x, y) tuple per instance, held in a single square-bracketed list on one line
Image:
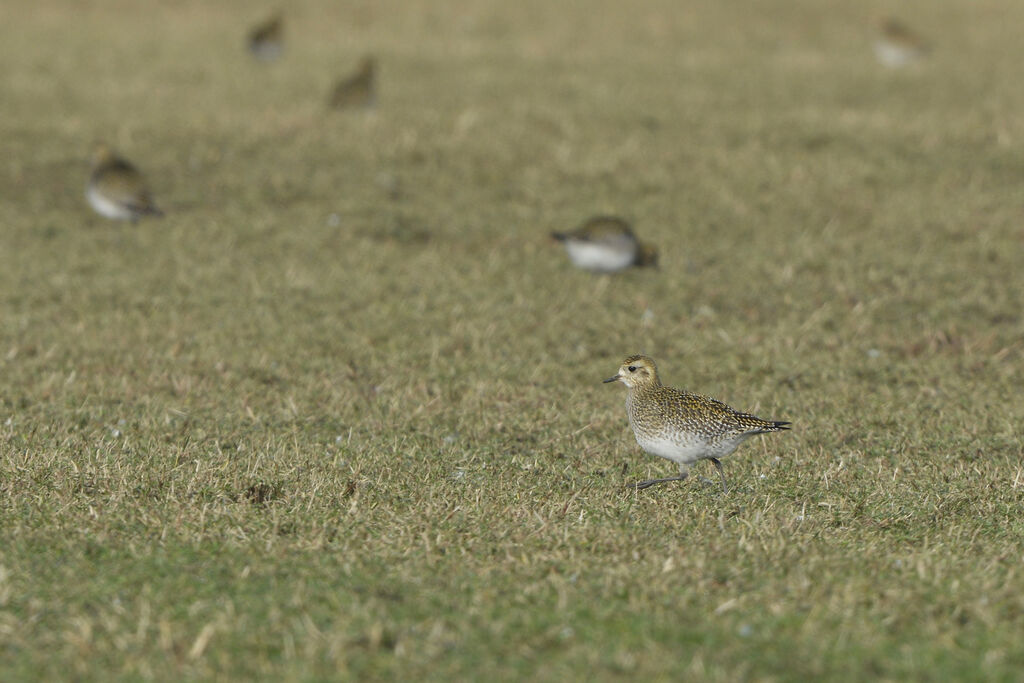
[(611, 379)]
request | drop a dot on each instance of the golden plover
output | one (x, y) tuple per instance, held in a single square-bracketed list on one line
[(358, 91), (266, 40), (606, 244), (681, 426), (116, 189), (896, 45)]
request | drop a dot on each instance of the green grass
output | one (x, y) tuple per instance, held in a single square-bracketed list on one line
[(339, 413)]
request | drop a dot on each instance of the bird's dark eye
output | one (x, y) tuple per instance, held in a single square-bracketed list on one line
[(632, 368)]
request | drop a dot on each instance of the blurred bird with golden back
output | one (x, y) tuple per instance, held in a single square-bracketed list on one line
[(116, 189), (266, 39), (896, 45), (606, 244), (359, 90), (682, 426)]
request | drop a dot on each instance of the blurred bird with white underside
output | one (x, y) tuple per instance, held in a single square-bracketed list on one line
[(116, 189), (266, 40), (606, 244), (896, 45)]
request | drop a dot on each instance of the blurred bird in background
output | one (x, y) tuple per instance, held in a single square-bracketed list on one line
[(896, 45), (266, 40), (359, 90), (606, 244), (116, 189)]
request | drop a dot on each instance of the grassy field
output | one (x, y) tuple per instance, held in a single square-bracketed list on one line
[(339, 413)]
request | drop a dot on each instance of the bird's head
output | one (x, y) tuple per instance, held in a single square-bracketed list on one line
[(637, 371)]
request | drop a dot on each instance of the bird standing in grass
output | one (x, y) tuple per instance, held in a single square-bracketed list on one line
[(116, 189), (358, 91), (896, 45), (681, 426), (606, 244), (266, 40)]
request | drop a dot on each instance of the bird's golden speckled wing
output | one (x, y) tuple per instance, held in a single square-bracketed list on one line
[(712, 414), (604, 228), (122, 183)]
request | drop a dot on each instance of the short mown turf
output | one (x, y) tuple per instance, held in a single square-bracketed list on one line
[(339, 414)]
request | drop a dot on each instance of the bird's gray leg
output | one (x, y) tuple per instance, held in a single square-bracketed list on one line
[(718, 466), (640, 485)]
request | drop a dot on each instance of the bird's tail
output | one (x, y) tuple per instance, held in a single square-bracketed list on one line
[(776, 426), (560, 236)]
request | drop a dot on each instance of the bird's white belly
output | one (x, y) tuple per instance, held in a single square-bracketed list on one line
[(106, 207), (894, 55), (266, 51), (687, 449), (677, 448), (600, 257)]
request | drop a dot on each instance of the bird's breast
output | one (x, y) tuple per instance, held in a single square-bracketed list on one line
[(599, 256)]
